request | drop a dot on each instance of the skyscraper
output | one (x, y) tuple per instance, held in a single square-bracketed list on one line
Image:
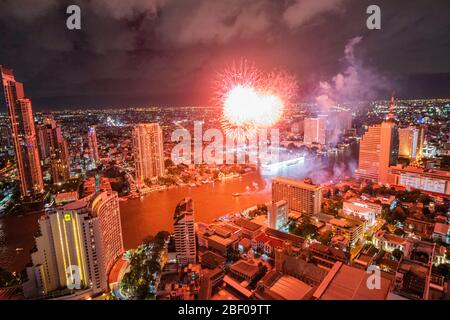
[(76, 246), (408, 142), (23, 133), (302, 197), (378, 150), (315, 130), (148, 151), (54, 149), (93, 146), (183, 223)]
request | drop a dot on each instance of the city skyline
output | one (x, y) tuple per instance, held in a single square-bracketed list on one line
[(241, 150)]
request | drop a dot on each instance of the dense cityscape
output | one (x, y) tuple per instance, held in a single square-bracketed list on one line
[(228, 159), (380, 200)]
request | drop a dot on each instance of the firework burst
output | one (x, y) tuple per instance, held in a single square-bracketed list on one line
[(252, 99)]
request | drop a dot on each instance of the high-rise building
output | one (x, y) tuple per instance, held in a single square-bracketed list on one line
[(76, 246), (378, 150), (23, 133), (183, 222), (93, 146), (409, 143), (302, 197), (315, 130), (148, 151), (278, 214), (54, 150)]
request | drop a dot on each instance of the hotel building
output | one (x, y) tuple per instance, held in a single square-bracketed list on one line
[(148, 151), (76, 246), (302, 197), (378, 151), (183, 222)]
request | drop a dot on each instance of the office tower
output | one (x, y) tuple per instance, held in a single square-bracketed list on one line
[(148, 151), (302, 197), (315, 130), (76, 246), (23, 133), (278, 214), (183, 223), (54, 150), (93, 146), (378, 150), (409, 144)]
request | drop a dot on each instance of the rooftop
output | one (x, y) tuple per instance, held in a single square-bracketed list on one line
[(245, 268), (348, 283), (291, 288), (246, 224), (296, 183)]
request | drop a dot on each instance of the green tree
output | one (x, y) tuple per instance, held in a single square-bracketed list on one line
[(397, 254)]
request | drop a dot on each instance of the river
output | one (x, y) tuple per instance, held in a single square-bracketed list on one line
[(154, 212)]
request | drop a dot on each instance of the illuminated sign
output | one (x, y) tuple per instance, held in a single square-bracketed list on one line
[(67, 217)]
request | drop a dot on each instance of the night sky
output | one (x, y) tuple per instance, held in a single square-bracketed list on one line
[(167, 52)]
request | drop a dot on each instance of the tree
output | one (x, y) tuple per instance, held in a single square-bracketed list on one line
[(325, 238), (7, 279), (399, 232), (399, 214), (397, 254), (443, 269)]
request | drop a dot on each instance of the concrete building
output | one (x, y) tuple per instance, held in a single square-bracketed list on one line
[(278, 214), (409, 144), (148, 151), (351, 228), (23, 133), (76, 246), (302, 197), (183, 222), (93, 145), (54, 150), (361, 209), (441, 232), (378, 151), (344, 282), (431, 180), (389, 242)]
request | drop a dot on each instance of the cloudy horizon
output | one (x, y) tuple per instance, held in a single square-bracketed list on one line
[(167, 52)]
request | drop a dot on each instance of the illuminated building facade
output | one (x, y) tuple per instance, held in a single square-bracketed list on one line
[(54, 150), (23, 133), (432, 180), (378, 150), (363, 210), (77, 246), (302, 197), (278, 214), (183, 223), (409, 142), (148, 151)]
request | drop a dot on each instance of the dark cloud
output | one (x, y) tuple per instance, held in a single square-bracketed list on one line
[(167, 51)]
